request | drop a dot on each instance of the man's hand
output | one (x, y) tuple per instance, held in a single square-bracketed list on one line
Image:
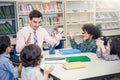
[(28, 40)]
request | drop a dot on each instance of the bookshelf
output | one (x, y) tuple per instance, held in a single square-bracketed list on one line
[(8, 23), (108, 16), (53, 13), (66, 15), (77, 13)]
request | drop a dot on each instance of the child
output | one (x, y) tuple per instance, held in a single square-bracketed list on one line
[(90, 34), (7, 70), (31, 59), (111, 51)]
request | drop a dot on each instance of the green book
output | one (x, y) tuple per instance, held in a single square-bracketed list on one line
[(5, 12), (12, 12), (9, 27), (6, 29), (78, 59), (1, 29), (2, 12)]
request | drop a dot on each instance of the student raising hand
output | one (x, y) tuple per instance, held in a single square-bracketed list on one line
[(100, 43), (71, 34), (47, 70), (58, 35)]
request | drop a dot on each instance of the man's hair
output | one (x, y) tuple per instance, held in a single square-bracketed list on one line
[(115, 46), (31, 55), (35, 14), (4, 43), (92, 30)]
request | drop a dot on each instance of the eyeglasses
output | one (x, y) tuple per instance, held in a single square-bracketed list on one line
[(84, 33)]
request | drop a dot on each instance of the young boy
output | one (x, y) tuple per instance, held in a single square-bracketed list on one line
[(90, 34), (7, 70)]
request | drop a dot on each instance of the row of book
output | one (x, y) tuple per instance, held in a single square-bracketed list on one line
[(108, 26), (47, 21), (44, 8), (106, 15), (7, 12), (6, 28), (52, 20)]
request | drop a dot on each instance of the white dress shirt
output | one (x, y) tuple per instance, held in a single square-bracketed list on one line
[(23, 34)]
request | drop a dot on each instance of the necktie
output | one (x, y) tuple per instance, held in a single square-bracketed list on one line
[(35, 38)]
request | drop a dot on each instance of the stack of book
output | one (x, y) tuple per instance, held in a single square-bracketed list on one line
[(6, 28), (7, 12)]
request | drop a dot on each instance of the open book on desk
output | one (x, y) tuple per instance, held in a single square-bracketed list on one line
[(56, 60)]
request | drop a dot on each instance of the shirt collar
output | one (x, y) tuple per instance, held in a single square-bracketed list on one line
[(5, 55), (33, 30)]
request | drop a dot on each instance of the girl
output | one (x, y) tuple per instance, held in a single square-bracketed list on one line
[(111, 51), (31, 59)]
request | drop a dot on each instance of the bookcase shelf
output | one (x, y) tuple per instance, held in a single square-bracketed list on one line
[(53, 14), (107, 15), (8, 24), (70, 15), (77, 13)]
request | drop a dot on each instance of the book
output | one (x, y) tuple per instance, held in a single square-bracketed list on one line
[(69, 51), (73, 65), (1, 30), (9, 27), (3, 27), (78, 59), (3, 12), (7, 31), (56, 60), (12, 11), (8, 14)]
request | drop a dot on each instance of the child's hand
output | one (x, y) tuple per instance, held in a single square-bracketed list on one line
[(48, 69), (100, 43), (71, 34), (58, 35)]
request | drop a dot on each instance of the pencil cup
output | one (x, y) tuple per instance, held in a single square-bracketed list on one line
[(51, 50)]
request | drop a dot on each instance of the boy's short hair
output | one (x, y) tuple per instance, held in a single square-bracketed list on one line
[(35, 14), (4, 43), (92, 30), (31, 55)]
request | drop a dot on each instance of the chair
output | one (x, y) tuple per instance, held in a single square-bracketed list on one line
[(13, 57)]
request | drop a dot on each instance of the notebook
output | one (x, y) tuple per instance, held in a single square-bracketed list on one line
[(78, 59), (69, 51), (73, 65)]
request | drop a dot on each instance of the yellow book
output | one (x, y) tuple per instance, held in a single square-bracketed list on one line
[(74, 65)]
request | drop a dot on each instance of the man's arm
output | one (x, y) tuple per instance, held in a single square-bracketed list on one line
[(20, 42)]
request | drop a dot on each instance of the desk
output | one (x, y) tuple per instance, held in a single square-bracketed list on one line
[(96, 68)]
